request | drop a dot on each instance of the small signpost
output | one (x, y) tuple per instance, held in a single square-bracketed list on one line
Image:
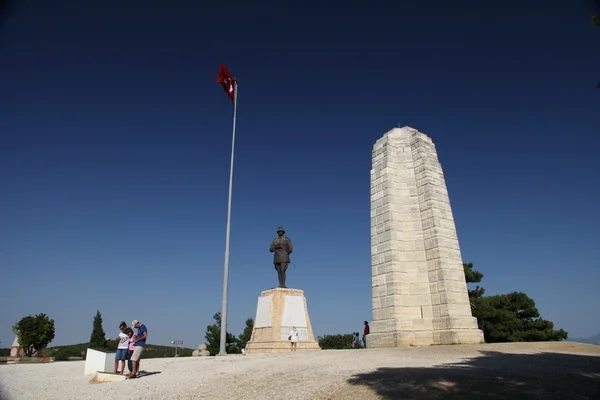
[(176, 343)]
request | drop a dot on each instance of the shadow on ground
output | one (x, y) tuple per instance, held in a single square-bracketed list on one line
[(493, 375), (143, 374)]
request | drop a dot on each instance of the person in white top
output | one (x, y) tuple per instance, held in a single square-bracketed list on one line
[(122, 348), (294, 337)]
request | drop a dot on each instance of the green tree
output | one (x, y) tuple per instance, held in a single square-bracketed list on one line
[(111, 344), (246, 335), (213, 338), (335, 342), (34, 333), (97, 339), (473, 276), (509, 317)]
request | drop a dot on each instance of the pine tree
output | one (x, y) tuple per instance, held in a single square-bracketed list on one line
[(213, 338), (473, 276), (511, 317), (97, 339), (246, 335)]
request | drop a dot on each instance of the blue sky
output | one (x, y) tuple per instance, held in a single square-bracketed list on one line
[(115, 143)]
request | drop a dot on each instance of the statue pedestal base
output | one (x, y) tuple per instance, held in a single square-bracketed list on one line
[(277, 312)]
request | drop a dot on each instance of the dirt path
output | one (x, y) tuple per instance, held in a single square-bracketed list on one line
[(490, 371)]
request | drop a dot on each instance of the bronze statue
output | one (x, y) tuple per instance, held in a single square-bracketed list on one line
[(282, 247)]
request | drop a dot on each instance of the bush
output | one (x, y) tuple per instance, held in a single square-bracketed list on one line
[(335, 342), (63, 354), (184, 352)]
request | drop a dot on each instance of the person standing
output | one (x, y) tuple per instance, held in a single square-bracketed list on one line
[(129, 332), (294, 337), (122, 347), (140, 342), (365, 333)]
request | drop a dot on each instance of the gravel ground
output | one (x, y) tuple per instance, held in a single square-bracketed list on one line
[(491, 371)]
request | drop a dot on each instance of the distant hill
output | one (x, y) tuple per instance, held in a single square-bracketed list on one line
[(79, 350), (147, 347), (592, 339), (150, 350)]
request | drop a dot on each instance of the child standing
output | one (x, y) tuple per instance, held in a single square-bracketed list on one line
[(121, 348), (131, 335)]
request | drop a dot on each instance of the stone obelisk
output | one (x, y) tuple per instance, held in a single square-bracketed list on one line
[(419, 289)]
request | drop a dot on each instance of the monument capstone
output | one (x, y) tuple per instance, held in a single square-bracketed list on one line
[(418, 283)]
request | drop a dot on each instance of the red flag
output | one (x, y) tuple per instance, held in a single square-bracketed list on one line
[(227, 81)]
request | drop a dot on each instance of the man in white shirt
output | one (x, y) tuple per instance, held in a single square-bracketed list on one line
[(122, 348)]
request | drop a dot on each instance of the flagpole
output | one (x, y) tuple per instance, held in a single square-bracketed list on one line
[(222, 348)]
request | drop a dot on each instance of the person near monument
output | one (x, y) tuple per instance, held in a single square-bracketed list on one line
[(365, 333), (356, 336), (129, 332), (282, 247), (139, 343), (294, 337), (122, 346)]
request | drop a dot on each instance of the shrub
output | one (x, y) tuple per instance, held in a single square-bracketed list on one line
[(63, 354), (335, 342)]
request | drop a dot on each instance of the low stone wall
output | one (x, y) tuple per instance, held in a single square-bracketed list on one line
[(30, 360)]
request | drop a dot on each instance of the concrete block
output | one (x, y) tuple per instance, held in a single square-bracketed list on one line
[(97, 360)]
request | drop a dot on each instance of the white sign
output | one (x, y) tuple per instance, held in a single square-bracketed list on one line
[(294, 313), (263, 312)]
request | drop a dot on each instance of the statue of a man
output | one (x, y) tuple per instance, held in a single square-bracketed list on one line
[(282, 247)]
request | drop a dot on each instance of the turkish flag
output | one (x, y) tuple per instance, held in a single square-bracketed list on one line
[(227, 81)]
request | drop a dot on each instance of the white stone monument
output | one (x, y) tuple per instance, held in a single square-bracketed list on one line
[(419, 289), (98, 361), (16, 351), (277, 312)]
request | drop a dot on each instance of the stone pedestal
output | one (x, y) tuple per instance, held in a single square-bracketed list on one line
[(277, 312), (419, 289)]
